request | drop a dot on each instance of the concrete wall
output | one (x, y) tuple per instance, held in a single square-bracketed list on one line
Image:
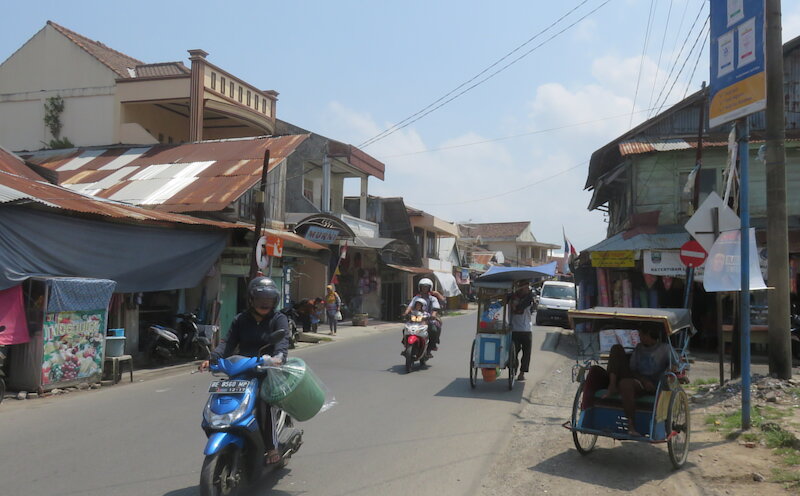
[(49, 65)]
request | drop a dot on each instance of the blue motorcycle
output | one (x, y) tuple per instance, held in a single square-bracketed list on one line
[(234, 451)]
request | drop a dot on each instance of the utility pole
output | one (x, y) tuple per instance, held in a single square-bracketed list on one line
[(261, 196), (780, 359)]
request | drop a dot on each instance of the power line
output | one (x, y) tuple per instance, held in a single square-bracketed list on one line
[(677, 58), (641, 61), (696, 62), (391, 128), (660, 53), (419, 115), (507, 192), (699, 35), (503, 138)]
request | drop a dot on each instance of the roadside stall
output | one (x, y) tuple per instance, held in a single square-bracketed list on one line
[(67, 325)]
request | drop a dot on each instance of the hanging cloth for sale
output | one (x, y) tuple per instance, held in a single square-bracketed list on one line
[(13, 325)]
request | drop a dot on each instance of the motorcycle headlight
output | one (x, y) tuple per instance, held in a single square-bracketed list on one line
[(223, 420)]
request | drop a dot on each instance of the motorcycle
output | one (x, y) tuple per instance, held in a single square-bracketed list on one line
[(293, 317), (415, 340), (193, 342), (168, 344), (233, 452)]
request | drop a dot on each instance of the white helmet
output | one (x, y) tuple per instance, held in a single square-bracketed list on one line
[(425, 282)]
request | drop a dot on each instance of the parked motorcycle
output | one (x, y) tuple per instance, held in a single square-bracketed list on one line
[(235, 448), (294, 318), (163, 344), (193, 343), (415, 339)]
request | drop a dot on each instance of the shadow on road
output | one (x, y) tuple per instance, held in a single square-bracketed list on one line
[(497, 390), (612, 467)]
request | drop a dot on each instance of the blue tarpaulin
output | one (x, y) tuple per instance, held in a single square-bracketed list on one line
[(502, 274)]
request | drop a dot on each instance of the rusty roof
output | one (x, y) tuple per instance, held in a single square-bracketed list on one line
[(14, 165), (19, 189), (161, 69), (648, 145), (205, 176), (114, 60)]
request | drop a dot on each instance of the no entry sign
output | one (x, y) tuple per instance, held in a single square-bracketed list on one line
[(693, 254)]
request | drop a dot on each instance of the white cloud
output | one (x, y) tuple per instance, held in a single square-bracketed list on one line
[(790, 22), (585, 31)]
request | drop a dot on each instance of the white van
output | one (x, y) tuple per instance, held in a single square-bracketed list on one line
[(555, 298)]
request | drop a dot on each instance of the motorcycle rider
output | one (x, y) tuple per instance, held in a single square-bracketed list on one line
[(249, 332), (432, 303)]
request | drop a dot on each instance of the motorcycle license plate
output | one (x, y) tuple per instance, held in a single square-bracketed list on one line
[(223, 387)]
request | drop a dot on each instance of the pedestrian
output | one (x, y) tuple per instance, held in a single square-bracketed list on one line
[(333, 304), (520, 302)]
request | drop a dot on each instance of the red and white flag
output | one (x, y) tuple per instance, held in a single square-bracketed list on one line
[(343, 250)]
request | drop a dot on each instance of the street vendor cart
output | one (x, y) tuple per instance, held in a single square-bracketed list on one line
[(493, 349), (660, 417)]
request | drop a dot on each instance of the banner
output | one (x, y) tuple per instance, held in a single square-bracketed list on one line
[(73, 345), (667, 263), (723, 267), (614, 259), (322, 235)]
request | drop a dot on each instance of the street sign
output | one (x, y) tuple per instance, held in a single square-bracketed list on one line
[(262, 259), (700, 225), (693, 254), (738, 60), (274, 246)]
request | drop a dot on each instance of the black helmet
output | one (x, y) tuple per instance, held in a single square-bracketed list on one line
[(262, 290)]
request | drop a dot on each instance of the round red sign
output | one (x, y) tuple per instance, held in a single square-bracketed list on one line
[(693, 254)]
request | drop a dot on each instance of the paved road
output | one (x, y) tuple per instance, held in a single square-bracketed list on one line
[(390, 433)]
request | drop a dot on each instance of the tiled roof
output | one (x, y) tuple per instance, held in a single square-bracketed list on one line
[(493, 230), (114, 60), (161, 69), (193, 177)]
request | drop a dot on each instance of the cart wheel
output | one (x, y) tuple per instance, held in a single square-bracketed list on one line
[(584, 443), (473, 370), (679, 424), (512, 366)]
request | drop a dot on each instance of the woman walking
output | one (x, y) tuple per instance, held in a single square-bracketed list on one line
[(332, 305)]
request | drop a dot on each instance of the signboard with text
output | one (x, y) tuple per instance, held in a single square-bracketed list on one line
[(614, 259), (322, 235), (738, 60)]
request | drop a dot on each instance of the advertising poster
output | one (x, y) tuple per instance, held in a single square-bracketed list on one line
[(723, 267), (667, 263), (616, 258), (73, 346)]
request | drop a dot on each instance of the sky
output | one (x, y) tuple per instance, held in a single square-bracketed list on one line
[(511, 143)]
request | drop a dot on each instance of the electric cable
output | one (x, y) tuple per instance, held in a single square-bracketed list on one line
[(641, 60), (699, 35), (422, 114), (696, 62), (660, 53)]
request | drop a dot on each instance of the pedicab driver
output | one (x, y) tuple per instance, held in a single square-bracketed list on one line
[(250, 332)]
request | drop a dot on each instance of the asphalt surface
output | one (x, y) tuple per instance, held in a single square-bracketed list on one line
[(389, 432)]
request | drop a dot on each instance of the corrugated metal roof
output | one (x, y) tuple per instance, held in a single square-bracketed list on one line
[(668, 237), (193, 177), (493, 230), (12, 164), (648, 145)]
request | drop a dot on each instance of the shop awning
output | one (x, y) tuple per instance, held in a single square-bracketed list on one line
[(366, 242), (412, 270), (448, 283), (294, 238), (668, 238)]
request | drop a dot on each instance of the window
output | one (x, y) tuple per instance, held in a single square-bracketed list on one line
[(419, 234), (308, 189), (248, 98), (264, 106), (240, 94), (170, 140), (222, 85), (230, 94), (160, 137), (708, 183), (430, 242), (213, 80), (256, 101)]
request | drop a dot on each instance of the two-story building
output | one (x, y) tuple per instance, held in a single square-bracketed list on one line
[(505, 243), (640, 180)]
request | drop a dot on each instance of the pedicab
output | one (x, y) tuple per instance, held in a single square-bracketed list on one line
[(493, 349), (661, 417)]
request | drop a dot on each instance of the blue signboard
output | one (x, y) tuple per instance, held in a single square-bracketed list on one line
[(322, 235), (738, 60)]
